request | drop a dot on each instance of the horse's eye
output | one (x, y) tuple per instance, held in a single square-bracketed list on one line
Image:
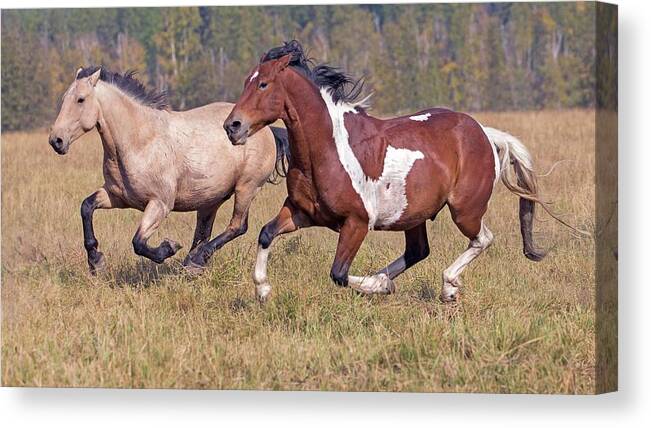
[(80, 100), (262, 85)]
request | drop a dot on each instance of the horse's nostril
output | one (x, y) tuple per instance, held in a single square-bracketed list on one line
[(58, 140), (235, 125)]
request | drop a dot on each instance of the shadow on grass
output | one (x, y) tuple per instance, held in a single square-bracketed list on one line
[(145, 274), (427, 293)]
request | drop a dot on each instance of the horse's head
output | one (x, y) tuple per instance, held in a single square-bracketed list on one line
[(79, 111), (261, 103)]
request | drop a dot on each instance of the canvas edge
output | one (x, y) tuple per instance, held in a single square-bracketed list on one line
[(606, 198)]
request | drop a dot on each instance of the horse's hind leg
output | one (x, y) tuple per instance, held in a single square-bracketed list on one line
[(101, 199), (197, 259), (416, 249), (473, 227), (203, 229), (155, 212)]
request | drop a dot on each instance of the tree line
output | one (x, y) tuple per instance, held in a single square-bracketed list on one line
[(471, 57)]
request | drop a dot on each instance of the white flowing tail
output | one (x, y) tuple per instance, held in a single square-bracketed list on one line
[(522, 181)]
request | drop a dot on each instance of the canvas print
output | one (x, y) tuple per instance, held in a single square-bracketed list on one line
[(414, 198)]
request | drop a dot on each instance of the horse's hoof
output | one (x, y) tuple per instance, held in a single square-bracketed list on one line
[(98, 265), (192, 268), (165, 250), (449, 294), (375, 284), (389, 286), (262, 292), (173, 246)]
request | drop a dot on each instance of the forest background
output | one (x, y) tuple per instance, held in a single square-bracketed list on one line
[(472, 57)]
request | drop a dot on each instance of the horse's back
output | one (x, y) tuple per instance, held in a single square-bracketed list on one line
[(456, 157), (210, 115), (209, 166), (474, 157)]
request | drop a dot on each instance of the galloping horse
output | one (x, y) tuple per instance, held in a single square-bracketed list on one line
[(353, 173), (157, 160)]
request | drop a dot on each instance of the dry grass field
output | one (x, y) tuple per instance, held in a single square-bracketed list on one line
[(520, 327)]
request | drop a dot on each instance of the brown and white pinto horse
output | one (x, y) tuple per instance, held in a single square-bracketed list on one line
[(353, 173)]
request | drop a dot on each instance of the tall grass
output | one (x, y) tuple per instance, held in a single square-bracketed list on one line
[(520, 326)]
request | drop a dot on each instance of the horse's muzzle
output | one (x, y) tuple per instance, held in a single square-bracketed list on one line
[(59, 145), (237, 131)]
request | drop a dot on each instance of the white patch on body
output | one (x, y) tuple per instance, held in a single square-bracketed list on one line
[(254, 75), (420, 117), (385, 199)]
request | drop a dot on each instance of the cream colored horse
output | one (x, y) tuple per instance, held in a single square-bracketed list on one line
[(157, 161)]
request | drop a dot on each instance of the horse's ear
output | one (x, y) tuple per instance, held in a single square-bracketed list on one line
[(94, 78), (78, 71), (282, 63)]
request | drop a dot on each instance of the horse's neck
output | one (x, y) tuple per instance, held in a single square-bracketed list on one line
[(122, 123), (306, 114)]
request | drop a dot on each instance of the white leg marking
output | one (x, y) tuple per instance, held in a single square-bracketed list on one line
[(384, 199), (374, 284), (451, 281), (420, 117), (262, 286)]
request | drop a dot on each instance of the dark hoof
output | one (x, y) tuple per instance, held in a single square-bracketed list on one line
[(173, 246), (192, 268), (97, 264), (535, 255), (195, 261), (166, 250)]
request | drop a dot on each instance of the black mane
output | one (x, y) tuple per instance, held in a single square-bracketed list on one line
[(130, 85), (343, 87)]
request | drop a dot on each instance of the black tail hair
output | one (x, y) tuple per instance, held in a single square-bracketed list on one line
[(282, 154)]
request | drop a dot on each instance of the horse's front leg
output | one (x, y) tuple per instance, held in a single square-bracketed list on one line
[(101, 199), (351, 236), (155, 212), (289, 219)]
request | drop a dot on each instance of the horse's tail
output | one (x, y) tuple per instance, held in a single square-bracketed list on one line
[(282, 154), (522, 181)]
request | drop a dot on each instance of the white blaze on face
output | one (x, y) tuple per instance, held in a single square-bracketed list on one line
[(254, 75), (384, 199), (420, 117)]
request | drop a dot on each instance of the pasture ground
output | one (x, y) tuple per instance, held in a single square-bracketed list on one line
[(520, 327)]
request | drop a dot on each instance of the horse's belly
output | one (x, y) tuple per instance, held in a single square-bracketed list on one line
[(202, 194)]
